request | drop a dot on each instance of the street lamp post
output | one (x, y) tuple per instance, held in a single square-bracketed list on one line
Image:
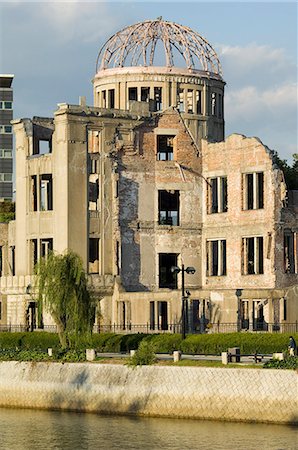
[(188, 270)]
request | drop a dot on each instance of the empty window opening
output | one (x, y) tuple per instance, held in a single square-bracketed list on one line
[(158, 98), (253, 191), (252, 259), (46, 192), (285, 312), (198, 102), (181, 100), (168, 208), (34, 193), (217, 195), (94, 143), (123, 317), (93, 255), (133, 93), (216, 258), (145, 94), (290, 252), (162, 315), (244, 314), (13, 260), (220, 106), (167, 279), (118, 257), (213, 104), (44, 147), (94, 195), (94, 166), (46, 246), (165, 148), (190, 101), (1, 260), (34, 253), (111, 98), (104, 99), (152, 315)]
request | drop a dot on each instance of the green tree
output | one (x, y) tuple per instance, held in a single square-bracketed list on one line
[(7, 211), (290, 172), (63, 289)]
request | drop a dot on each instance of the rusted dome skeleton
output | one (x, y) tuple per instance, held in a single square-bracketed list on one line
[(136, 45)]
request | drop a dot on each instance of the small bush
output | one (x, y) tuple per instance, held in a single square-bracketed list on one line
[(165, 343), (289, 363), (131, 341), (144, 355)]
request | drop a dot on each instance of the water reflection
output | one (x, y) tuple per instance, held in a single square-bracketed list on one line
[(30, 430)]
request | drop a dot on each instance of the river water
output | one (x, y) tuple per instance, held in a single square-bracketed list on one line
[(46, 430)]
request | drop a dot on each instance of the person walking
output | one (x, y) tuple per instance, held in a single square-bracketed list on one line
[(292, 346)]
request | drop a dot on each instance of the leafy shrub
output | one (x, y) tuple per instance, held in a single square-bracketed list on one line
[(29, 340), (289, 363), (22, 355), (165, 343), (107, 342), (249, 343), (70, 355), (131, 341), (144, 355)]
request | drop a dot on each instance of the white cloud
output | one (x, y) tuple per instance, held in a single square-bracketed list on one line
[(76, 20), (249, 102), (259, 65), (254, 55)]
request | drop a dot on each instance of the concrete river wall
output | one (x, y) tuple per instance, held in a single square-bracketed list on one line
[(252, 395)]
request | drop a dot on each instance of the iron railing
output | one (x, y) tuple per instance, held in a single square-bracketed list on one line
[(231, 327)]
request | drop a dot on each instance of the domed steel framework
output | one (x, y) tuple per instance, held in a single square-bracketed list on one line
[(136, 45)]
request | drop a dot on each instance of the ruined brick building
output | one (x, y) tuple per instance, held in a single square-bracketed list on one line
[(144, 181)]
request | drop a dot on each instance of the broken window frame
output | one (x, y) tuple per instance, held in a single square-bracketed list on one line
[(152, 315), (190, 101), (199, 102), (111, 98), (253, 255), (93, 256), (13, 260), (216, 257), (133, 94), (162, 315), (46, 192), (170, 215), (1, 260), (145, 94), (290, 252), (217, 195), (167, 279), (46, 247), (165, 147), (253, 191), (158, 98)]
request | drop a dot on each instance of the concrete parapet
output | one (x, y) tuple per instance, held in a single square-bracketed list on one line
[(251, 395)]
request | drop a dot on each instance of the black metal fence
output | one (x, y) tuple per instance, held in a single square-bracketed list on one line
[(210, 328)]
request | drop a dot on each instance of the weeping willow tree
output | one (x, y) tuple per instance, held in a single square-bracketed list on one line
[(62, 289)]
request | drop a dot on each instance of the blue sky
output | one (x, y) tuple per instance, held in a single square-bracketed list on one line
[(52, 47)]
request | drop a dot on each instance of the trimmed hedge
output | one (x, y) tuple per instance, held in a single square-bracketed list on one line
[(38, 340), (249, 343)]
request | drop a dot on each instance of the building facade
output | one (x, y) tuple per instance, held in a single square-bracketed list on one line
[(6, 137), (144, 181)]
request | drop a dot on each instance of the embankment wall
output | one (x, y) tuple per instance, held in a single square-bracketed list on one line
[(253, 395)]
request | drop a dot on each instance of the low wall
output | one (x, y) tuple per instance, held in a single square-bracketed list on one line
[(205, 393)]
